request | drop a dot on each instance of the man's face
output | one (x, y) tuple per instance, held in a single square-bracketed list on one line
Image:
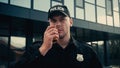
[(62, 24)]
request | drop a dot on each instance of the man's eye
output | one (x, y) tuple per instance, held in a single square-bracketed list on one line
[(53, 21), (62, 19)]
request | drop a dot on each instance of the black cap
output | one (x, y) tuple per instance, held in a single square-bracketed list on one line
[(58, 10)]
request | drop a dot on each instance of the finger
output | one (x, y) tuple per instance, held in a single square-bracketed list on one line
[(55, 38), (52, 30), (52, 33), (49, 27), (51, 36)]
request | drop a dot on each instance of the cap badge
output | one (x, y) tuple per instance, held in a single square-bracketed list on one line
[(57, 8)]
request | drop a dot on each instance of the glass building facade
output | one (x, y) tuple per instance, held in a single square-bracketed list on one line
[(97, 22)]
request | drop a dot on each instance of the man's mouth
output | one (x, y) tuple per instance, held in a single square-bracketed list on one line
[(59, 31)]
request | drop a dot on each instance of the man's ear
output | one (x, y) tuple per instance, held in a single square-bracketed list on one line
[(71, 22), (48, 22)]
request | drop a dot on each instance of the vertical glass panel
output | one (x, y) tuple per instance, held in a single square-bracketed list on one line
[(56, 3), (4, 57), (109, 7), (18, 46), (42, 5), (101, 15), (101, 3), (90, 12), (88, 43), (115, 5), (95, 46), (116, 19), (4, 40), (114, 50), (18, 42), (4, 1), (70, 5), (38, 36), (79, 13), (91, 1), (101, 50), (79, 3), (22, 3), (57, 0), (109, 21)]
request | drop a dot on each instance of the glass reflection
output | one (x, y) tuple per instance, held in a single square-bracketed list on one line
[(109, 21), (4, 1), (90, 12), (116, 19), (6, 54), (101, 3), (18, 46), (109, 7), (115, 5), (101, 15), (79, 13), (70, 5), (79, 3), (22, 3), (101, 50), (42, 5), (58, 0), (89, 43), (18, 42), (56, 3), (114, 50), (91, 1), (95, 46)]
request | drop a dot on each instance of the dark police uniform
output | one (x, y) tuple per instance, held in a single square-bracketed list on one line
[(75, 55)]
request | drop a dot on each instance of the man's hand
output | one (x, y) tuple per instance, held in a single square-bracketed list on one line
[(50, 33)]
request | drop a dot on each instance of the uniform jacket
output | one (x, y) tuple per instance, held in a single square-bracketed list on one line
[(75, 55)]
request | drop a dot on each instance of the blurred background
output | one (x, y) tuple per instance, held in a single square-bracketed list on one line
[(97, 22)]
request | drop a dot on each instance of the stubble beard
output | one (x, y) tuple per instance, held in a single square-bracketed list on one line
[(62, 36)]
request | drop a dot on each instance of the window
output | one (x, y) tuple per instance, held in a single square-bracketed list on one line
[(101, 50), (115, 5), (95, 45), (79, 13), (56, 3), (4, 1), (79, 9), (70, 5), (114, 51), (79, 3), (101, 15), (116, 19), (90, 1), (18, 46), (90, 12), (101, 3), (4, 39), (18, 42), (57, 0), (22, 3), (109, 7), (42, 5), (109, 20), (5, 54)]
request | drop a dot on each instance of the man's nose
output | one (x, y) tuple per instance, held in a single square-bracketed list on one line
[(58, 23)]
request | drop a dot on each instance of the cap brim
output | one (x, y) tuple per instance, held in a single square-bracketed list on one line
[(57, 13)]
